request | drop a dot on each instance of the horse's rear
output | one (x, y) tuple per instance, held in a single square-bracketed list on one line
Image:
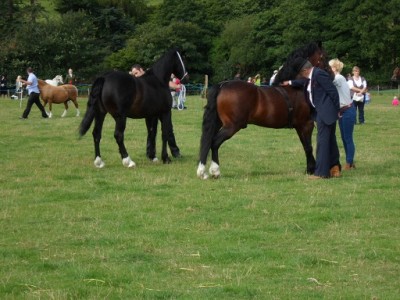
[(232, 105)]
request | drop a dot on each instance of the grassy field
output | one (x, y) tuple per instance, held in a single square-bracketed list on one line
[(262, 231)]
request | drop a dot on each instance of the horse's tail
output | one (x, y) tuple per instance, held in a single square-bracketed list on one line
[(94, 97), (211, 122)]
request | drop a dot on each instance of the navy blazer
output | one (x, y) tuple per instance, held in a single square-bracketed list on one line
[(324, 95)]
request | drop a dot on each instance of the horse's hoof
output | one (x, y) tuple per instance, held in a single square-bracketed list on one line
[(99, 163), (155, 160), (201, 171), (128, 162), (214, 170), (167, 160)]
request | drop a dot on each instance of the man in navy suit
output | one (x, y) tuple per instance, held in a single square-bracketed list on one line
[(324, 99)]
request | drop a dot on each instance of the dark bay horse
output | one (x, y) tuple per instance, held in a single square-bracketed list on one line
[(125, 96), (232, 105), (58, 94)]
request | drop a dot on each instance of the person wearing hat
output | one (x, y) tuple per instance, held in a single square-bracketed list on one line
[(324, 99), (33, 92)]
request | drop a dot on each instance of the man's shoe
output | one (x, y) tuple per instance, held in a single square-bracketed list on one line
[(335, 171)]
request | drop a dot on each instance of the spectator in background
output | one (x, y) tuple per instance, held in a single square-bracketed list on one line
[(175, 86), (3, 86), (237, 76), (70, 78), (257, 80), (358, 88)]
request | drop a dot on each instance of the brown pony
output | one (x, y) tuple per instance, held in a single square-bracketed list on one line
[(232, 105), (58, 94)]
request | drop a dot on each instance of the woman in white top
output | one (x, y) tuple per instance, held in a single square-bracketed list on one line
[(347, 114), (358, 87)]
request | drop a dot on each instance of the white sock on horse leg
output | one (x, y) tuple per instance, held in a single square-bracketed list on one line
[(201, 171), (78, 112), (64, 113), (99, 163), (128, 162), (214, 170)]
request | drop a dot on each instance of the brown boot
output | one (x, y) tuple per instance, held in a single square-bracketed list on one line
[(349, 167), (335, 171)]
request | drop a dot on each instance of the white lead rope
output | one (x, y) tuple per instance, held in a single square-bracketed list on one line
[(183, 65), (182, 98)]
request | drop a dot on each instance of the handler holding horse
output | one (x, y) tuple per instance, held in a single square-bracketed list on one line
[(33, 91)]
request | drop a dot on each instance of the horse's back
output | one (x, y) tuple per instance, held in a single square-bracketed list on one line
[(244, 103)]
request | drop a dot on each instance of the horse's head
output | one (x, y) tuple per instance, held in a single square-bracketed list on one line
[(59, 79), (313, 52), (170, 63), (179, 67)]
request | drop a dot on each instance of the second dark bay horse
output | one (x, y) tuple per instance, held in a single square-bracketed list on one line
[(234, 104)]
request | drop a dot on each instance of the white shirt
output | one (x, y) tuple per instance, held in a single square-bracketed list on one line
[(309, 87)]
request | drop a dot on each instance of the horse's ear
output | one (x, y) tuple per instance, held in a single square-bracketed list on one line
[(319, 43)]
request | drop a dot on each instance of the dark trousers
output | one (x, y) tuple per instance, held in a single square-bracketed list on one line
[(327, 148), (359, 105), (34, 99)]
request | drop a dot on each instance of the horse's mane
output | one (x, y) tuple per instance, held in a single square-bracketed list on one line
[(288, 72)]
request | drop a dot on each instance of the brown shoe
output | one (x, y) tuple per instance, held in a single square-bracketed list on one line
[(335, 171), (349, 167)]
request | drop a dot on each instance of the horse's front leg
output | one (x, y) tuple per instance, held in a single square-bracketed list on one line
[(65, 109), (305, 135), (166, 127), (50, 114), (151, 124), (120, 124)]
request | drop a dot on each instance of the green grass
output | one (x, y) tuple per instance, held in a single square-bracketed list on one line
[(262, 231)]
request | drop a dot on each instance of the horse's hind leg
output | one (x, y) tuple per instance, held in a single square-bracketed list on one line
[(166, 128), (120, 125), (65, 109), (305, 135), (77, 107), (224, 134), (98, 126), (50, 114), (151, 124)]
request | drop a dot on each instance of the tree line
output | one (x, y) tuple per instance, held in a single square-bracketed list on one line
[(216, 38)]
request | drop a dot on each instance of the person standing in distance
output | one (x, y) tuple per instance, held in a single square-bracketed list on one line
[(33, 92)]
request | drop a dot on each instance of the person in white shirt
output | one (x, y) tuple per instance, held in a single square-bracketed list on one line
[(358, 89)]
